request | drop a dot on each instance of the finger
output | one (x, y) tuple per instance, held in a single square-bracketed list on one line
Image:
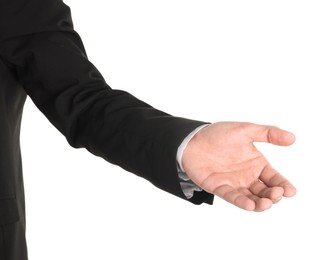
[(272, 178), (261, 204), (261, 190), (235, 197), (271, 134)]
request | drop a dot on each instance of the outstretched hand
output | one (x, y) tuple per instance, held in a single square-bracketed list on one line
[(223, 160)]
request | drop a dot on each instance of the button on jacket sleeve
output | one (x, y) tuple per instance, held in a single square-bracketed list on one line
[(38, 41)]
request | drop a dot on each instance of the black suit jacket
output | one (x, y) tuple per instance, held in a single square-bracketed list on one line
[(42, 56)]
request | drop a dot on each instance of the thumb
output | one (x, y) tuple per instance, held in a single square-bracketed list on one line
[(271, 134)]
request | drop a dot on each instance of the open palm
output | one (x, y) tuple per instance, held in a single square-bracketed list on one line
[(223, 160)]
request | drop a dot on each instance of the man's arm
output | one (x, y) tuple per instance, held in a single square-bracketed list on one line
[(37, 39)]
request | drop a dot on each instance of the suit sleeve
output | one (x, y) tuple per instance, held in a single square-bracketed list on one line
[(38, 41)]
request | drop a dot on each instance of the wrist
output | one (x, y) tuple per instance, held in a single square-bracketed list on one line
[(183, 147)]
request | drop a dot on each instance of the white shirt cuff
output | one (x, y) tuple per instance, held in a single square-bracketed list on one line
[(187, 185)]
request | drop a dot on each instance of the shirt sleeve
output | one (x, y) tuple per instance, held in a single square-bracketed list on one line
[(38, 42), (187, 185)]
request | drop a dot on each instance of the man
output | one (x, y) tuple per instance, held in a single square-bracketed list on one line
[(42, 56)]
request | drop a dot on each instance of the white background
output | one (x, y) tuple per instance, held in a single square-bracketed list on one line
[(266, 62)]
